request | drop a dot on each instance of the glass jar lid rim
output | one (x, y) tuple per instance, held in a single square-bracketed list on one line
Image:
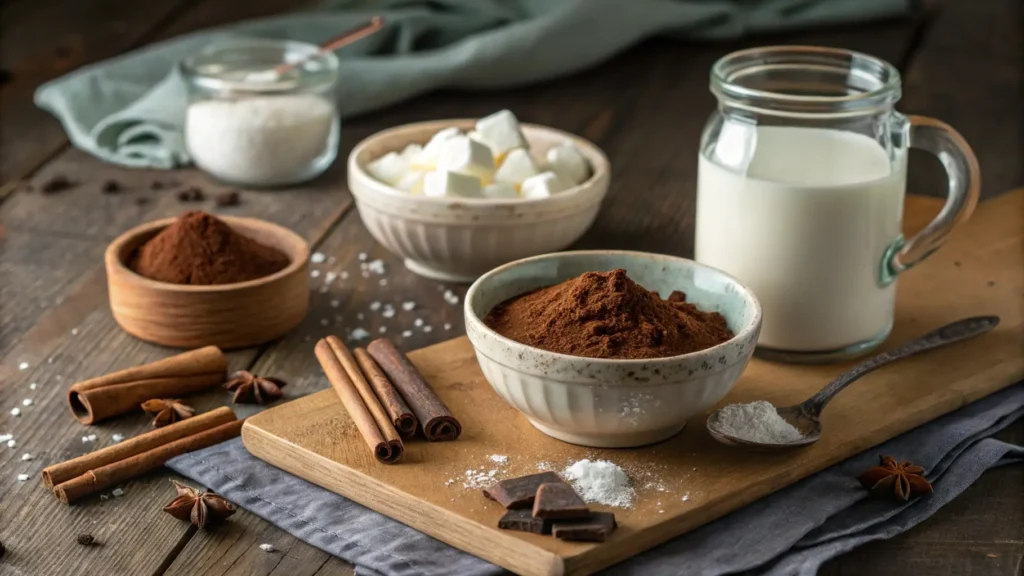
[(214, 68), (726, 71)]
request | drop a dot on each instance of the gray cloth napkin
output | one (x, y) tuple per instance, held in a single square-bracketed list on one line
[(129, 110), (791, 532)]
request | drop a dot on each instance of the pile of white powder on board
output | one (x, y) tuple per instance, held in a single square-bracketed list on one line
[(601, 482), (756, 422), (260, 140)]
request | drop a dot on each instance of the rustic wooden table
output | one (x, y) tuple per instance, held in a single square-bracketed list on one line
[(962, 62)]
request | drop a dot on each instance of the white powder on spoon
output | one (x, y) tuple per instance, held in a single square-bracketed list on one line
[(601, 482), (756, 422)]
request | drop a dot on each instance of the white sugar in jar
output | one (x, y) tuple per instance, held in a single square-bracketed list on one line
[(248, 125)]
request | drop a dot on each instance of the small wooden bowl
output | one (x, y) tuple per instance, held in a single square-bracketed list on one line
[(225, 315)]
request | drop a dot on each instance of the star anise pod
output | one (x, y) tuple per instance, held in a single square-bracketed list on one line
[(167, 411), (252, 389), (200, 508), (900, 478)]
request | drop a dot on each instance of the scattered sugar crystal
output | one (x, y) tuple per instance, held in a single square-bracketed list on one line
[(418, 322), (11, 443), (49, 360), (408, 305), (22, 477), (117, 492), (377, 266), (267, 547), (335, 303), (330, 277), (499, 458), (661, 511), (92, 437), (756, 422), (15, 411), (451, 297), (374, 305), (314, 273), (600, 481), (383, 329), (26, 457), (32, 386), (544, 466), (428, 328), (685, 497), (74, 331), (6, 437), (104, 497), (383, 282), (344, 275), (117, 438), (406, 333), (388, 312), (324, 322), (362, 256), (450, 482), (317, 258), (360, 316), (23, 366), (359, 334), (491, 473), (447, 326)]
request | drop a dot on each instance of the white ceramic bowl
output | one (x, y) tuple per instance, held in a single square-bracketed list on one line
[(612, 403), (459, 239)]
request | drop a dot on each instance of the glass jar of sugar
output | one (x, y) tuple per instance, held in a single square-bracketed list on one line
[(252, 125)]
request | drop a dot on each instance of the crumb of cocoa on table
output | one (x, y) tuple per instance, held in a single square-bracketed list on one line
[(229, 198), (111, 187), (57, 183), (191, 194)]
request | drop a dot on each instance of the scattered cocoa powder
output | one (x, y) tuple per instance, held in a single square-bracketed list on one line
[(607, 315), (201, 249)]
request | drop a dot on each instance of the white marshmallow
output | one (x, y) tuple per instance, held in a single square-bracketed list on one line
[(466, 156), (570, 165), (501, 132), (412, 182), (389, 168), (475, 136), (517, 167), (500, 190), (427, 158), (444, 183), (543, 185), (412, 152)]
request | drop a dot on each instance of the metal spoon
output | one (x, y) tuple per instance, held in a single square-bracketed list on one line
[(805, 417)]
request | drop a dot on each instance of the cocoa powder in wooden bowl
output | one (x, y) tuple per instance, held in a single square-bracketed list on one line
[(229, 282)]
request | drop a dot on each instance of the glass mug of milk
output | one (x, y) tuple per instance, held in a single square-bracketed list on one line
[(800, 188)]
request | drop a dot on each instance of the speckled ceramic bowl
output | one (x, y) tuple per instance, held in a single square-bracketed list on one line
[(612, 403)]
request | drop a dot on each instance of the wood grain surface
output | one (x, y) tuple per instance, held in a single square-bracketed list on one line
[(645, 108), (690, 479)]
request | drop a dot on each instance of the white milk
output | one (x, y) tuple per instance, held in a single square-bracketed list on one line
[(805, 227)]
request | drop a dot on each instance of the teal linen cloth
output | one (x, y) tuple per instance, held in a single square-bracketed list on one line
[(129, 110)]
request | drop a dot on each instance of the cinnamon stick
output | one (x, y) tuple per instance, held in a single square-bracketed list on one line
[(106, 476), (64, 471), (123, 391), (382, 449), (437, 420), (401, 416)]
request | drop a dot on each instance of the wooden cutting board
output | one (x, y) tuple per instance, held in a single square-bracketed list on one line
[(689, 480)]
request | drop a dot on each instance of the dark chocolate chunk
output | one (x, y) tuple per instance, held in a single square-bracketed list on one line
[(524, 521), (58, 183), (230, 198), (191, 194), (595, 529), (558, 501), (516, 493), (111, 187)]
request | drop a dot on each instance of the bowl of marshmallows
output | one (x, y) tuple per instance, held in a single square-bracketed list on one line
[(457, 198)]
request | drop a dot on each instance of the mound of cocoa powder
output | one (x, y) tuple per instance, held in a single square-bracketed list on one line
[(201, 249), (607, 315)]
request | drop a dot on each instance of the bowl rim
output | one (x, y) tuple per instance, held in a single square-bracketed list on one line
[(479, 324), (600, 166), (115, 264)]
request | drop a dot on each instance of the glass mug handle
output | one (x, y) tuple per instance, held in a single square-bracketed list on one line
[(964, 175)]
